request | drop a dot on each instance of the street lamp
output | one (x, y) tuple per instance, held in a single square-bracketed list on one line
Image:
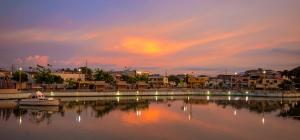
[(79, 77), (235, 80), (264, 79), (20, 78)]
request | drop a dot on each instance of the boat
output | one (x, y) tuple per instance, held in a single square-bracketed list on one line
[(39, 99)]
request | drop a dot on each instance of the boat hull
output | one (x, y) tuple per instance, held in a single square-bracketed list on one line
[(33, 102)]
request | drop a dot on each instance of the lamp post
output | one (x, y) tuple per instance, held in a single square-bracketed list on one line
[(264, 79), (79, 77), (20, 78), (235, 80)]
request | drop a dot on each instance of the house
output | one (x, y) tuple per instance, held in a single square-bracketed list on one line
[(158, 81), (5, 79), (122, 85), (264, 79), (70, 76), (141, 85), (215, 83), (197, 82), (226, 80), (97, 85), (101, 85)]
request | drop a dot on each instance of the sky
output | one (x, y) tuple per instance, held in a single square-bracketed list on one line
[(174, 36)]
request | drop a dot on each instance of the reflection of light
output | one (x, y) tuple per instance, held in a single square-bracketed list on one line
[(172, 93), (20, 120), (229, 98), (247, 92), (188, 98), (156, 93), (229, 92), (172, 98), (263, 120), (189, 116), (78, 119), (155, 98), (118, 92), (184, 108), (208, 92), (138, 113), (207, 98), (246, 98), (234, 112), (137, 98), (118, 99), (137, 92), (52, 93)]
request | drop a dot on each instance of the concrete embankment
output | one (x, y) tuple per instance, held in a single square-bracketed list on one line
[(9, 96), (172, 93)]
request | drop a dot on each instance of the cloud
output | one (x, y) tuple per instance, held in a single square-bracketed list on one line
[(33, 60)]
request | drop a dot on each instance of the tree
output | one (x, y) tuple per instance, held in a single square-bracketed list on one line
[(129, 79), (16, 76), (174, 78), (71, 83), (44, 75), (101, 75), (87, 71), (142, 77), (296, 76), (285, 85)]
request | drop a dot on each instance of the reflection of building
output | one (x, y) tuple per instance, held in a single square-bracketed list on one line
[(158, 81), (197, 82)]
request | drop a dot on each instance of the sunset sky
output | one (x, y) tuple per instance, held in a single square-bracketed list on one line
[(180, 36)]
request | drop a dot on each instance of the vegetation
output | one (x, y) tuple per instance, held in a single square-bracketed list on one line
[(101, 75), (45, 76), (173, 78), (16, 76), (88, 72), (294, 75), (71, 83), (286, 85), (135, 79)]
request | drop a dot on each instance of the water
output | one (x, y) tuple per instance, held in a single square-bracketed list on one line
[(157, 117)]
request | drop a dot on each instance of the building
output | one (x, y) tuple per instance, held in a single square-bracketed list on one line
[(263, 79), (122, 85), (197, 82), (141, 85), (5, 79), (215, 83), (158, 81), (70, 76)]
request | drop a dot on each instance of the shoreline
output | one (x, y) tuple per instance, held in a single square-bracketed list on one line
[(202, 92)]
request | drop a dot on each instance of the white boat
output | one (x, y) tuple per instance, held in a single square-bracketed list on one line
[(39, 100)]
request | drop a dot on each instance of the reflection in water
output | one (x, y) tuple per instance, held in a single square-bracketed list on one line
[(100, 108), (218, 114)]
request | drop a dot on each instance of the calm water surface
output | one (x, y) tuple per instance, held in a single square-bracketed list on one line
[(150, 118)]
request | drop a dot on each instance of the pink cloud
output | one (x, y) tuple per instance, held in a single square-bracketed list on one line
[(33, 60)]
